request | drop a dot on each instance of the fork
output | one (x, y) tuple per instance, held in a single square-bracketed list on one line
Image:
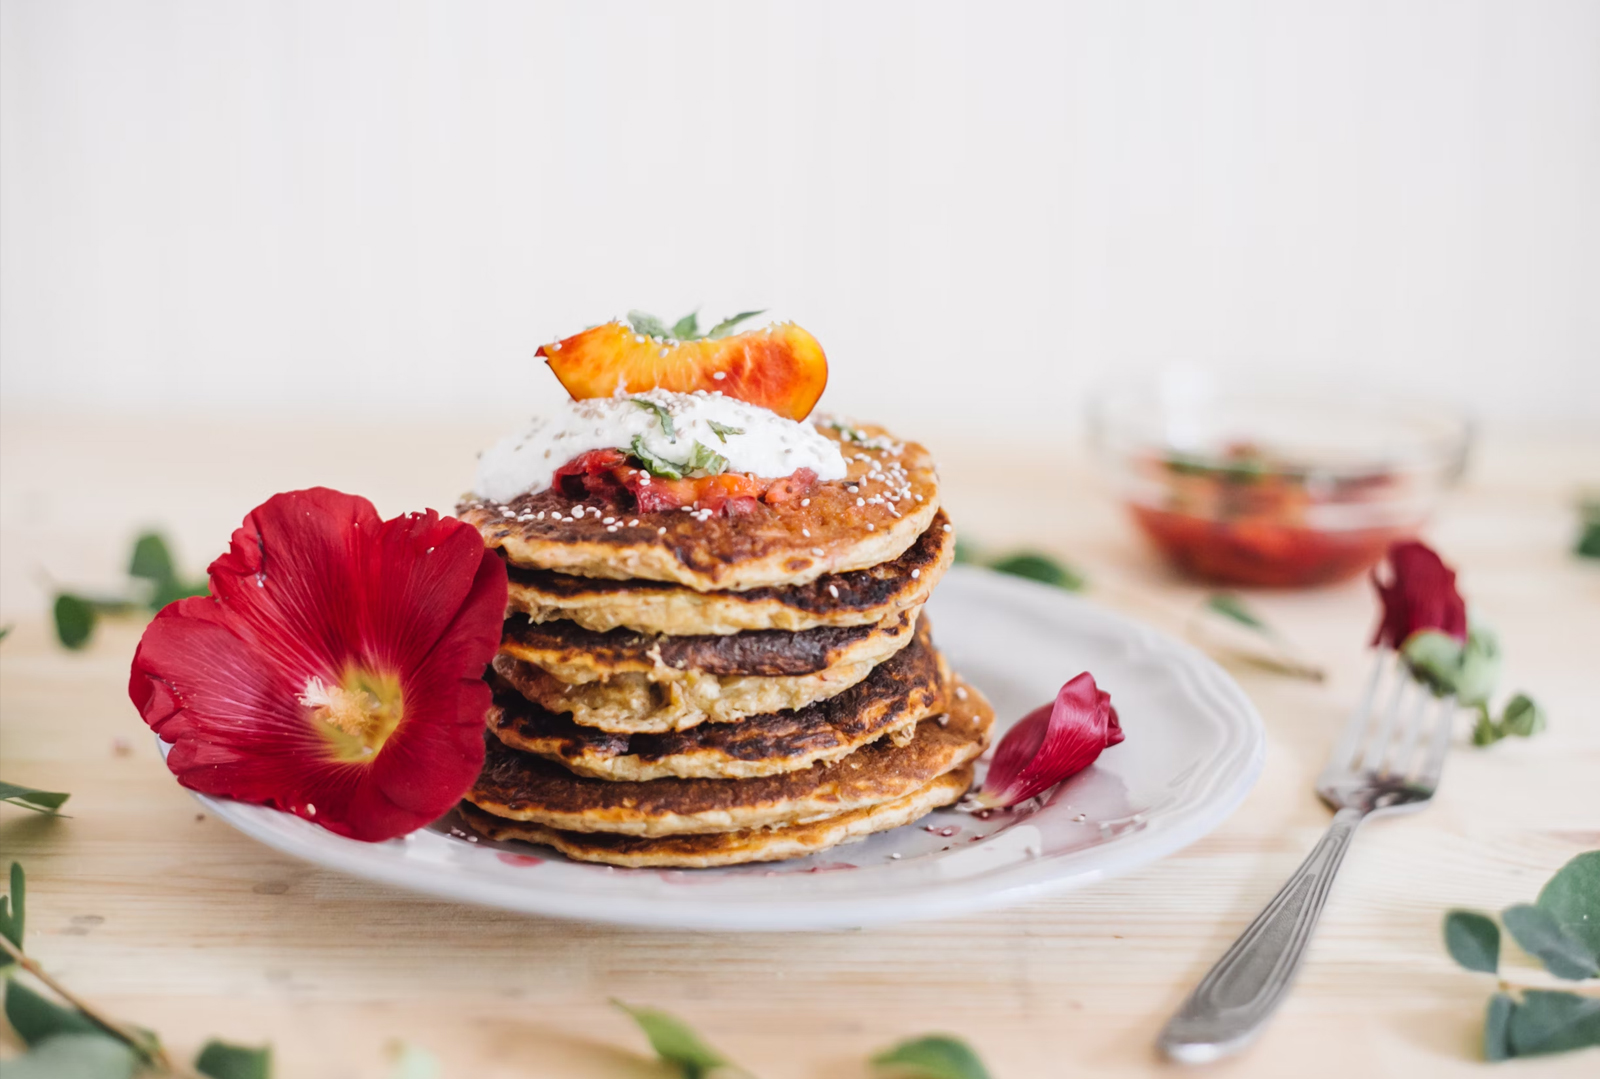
[(1387, 760)]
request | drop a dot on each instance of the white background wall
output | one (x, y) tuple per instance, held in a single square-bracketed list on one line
[(383, 207)]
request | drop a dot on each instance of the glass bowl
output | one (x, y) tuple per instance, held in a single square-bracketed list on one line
[(1241, 482)]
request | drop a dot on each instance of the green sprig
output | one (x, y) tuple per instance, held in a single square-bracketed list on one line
[(933, 1056), (675, 1042), (686, 328), (46, 802)]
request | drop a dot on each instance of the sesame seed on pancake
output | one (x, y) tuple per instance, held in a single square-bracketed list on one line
[(886, 501), (524, 787), (705, 851), (900, 692), (572, 654), (859, 597)]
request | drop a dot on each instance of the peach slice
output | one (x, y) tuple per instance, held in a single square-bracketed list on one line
[(781, 367)]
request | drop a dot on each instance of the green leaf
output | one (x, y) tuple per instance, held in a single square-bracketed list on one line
[(1039, 567), (1480, 666), (687, 328), (151, 559), (846, 432), (674, 1042), (1473, 940), (14, 910), (1231, 606), (5, 631), (1522, 717), (662, 415), (935, 1056), (175, 590), (656, 466), (74, 620), (1588, 545), (1551, 1021), (725, 327), (1497, 1028), (76, 1056), (413, 1062), (704, 461), (1572, 898), (1538, 933), (722, 430), (967, 553), (647, 324), (1486, 732), (28, 798), (36, 1018), (221, 1060)]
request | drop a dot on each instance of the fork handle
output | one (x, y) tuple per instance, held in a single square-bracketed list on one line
[(1234, 1000)]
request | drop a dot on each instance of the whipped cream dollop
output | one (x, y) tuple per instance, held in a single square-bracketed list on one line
[(753, 439)]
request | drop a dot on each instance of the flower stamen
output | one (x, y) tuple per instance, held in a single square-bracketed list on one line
[(357, 715)]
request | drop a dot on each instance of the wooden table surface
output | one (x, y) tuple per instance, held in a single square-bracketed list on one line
[(170, 919)]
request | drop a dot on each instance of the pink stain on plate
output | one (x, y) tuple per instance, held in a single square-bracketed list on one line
[(519, 859)]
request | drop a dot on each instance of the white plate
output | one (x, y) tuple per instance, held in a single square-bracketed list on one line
[(1194, 747)]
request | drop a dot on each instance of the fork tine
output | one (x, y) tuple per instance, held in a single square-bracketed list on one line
[(1344, 752), (1395, 758), (1433, 767)]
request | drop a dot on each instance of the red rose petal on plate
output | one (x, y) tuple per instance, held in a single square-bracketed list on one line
[(1420, 594), (336, 669), (1052, 743)]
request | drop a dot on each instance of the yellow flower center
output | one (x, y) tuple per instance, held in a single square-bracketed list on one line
[(357, 714)]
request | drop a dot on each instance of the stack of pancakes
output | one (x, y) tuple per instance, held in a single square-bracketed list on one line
[(685, 688)]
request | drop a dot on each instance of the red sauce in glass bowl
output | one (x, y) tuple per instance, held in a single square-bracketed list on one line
[(1244, 519)]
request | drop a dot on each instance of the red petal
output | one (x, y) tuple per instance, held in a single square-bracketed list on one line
[(1051, 743), (1420, 594), (314, 585)]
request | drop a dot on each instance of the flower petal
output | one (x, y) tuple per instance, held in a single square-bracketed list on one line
[(1051, 743), (1420, 594)]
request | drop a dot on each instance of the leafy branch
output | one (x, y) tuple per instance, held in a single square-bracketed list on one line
[(153, 583), (1561, 929)]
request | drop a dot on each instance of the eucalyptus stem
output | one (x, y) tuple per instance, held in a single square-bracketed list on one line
[(1583, 989), (155, 1055)]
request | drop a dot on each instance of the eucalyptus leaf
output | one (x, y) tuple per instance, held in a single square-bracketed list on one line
[(14, 910), (1230, 606), (726, 326), (29, 798), (76, 1056), (656, 466), (687, 328), (966, 552), (1588, 545), (5, 631), (1572, 898), (36, 1018), (1497, 1027), (1538, 933), (1485, 731), (1551, 1021), (1522, 717), (934, 1056), (722, 430), (1473, 940), (674, 1041), (662, 415), (75, 618), (220, 1060), (1435, 658), (1480, 665), (151, 559), (177, 589), (647, 324), (1040, 567)]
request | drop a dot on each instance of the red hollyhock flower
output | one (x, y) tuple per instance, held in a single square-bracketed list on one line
[(1051, 743), (335, 670), (1420, 594)]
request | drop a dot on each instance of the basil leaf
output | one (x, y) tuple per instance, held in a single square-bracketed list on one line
[(223, 1061), (725, 327), (647, 324), (75, 618), (29, 798), (704, 461), (656, 466), (13, 910), (1551, 1021), (1232, 607), (1497, 1028), (1538, 933), (661, 412), (35, 1018), (687, 328), (1473, 940), (722, 430), (76, 1056), (1523, 717), (935, 1056), (674, 1041), (1572, 898), (1040, 567)]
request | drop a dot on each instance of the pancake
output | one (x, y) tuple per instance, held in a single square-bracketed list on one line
[(523, 787), (857, 598), (887, 500), (901, 691), (574, 655), (728, 848)]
